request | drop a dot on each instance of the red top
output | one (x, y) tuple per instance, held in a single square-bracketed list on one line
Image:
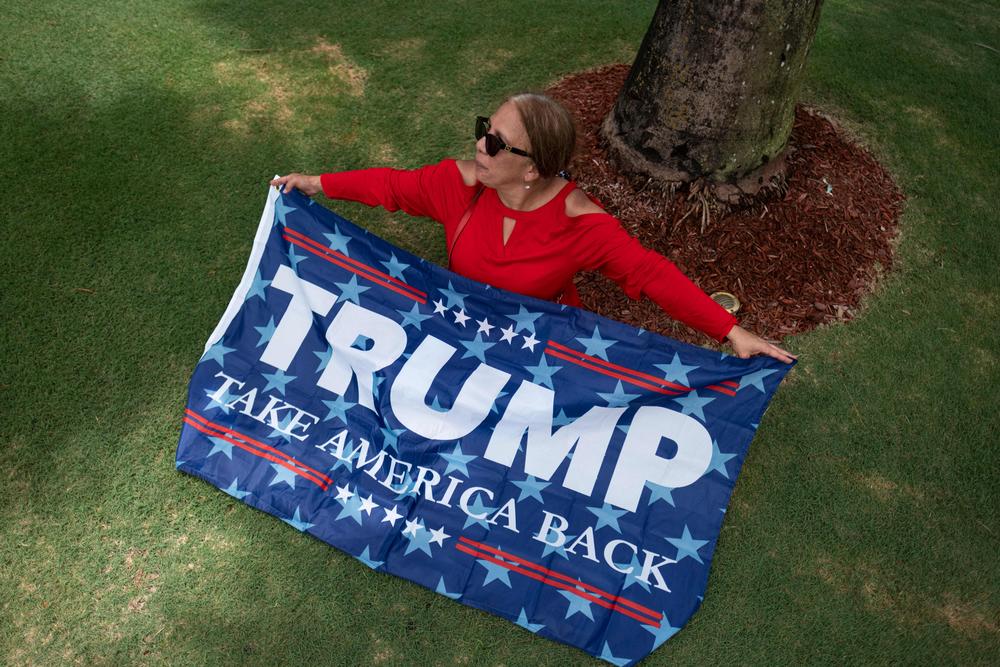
[(545, 249)]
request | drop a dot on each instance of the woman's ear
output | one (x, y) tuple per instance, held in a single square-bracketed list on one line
[(531, 175)]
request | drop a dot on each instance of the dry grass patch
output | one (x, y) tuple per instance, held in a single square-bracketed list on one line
[(382, 652), (972, 619), (885, 489), (967, 619), (482, 59), (384, 154), (404, 50), (285, 83), (861, 579), (925, 117), (936, 51), (341, 68)]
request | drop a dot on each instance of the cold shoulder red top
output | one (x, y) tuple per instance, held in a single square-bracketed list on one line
[(545, 249)]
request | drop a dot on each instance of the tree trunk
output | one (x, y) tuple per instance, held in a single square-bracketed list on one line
[(711, 94)]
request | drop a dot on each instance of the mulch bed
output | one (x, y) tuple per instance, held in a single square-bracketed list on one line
[(802, 256)]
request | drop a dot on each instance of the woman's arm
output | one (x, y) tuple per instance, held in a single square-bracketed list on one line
[(641, 271), (434, 191)]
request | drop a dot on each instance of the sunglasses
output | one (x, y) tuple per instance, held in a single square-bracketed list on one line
[(493, 143)]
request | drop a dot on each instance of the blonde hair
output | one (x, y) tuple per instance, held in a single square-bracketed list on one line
[(550, 130)]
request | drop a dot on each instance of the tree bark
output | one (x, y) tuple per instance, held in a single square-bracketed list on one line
[(711, 94)]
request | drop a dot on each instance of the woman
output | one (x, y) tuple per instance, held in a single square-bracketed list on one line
[(511, 220)]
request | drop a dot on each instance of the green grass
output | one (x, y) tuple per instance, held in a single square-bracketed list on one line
[(137, 139)]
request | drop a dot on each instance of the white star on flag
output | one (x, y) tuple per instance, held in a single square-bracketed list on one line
[(367, 505), (344, 493), (439, 536), (484, 326), (530, 342), (412, 527), (461, 317), (439, 307), (508, 334), (392, 516)]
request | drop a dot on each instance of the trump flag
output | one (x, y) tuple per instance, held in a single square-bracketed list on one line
[(559, 469)]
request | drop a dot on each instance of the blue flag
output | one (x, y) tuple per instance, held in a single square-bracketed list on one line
[(562, 470)]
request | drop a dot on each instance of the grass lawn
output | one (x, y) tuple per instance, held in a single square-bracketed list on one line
[(137, 139)]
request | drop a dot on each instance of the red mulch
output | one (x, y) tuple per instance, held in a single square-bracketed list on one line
[(803, 258)]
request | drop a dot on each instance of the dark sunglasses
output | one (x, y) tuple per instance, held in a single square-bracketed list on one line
[(493, 143)]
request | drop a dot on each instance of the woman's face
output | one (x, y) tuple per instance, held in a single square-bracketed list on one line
[(504, 168)]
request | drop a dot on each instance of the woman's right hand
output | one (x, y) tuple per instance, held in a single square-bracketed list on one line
[(308, 185), (746, 345)]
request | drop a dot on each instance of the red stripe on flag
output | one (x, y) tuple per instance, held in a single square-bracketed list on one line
[(249, 448), (558, 584), (330, 257), (259, 444), (207, 430), (604, 371), (351, 260), (361, 265), (353, 265), (598, 364), (558, 575), (623, 369)]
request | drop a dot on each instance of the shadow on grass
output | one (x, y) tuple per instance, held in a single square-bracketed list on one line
[(124, 262), (123, 259)]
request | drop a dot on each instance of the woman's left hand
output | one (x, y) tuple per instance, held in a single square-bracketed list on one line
[(309, 185), (746, 345)]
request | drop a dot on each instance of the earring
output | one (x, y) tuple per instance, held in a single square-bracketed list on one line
[(527, 186)]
